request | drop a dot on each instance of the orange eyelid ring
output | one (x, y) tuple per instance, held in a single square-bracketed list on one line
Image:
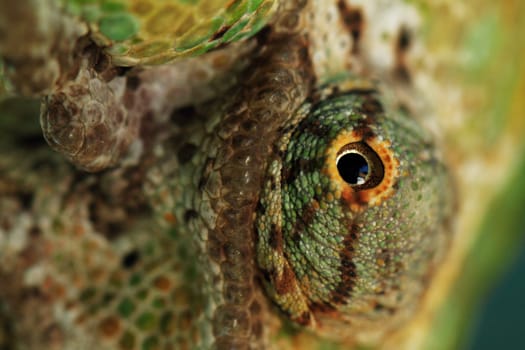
[(372, 185)]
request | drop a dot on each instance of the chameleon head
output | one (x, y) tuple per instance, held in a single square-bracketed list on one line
[(352, 218)]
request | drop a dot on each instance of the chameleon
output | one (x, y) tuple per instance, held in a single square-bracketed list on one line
[(270, 176)]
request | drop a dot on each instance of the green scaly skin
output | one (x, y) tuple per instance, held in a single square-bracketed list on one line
[(157, 32), (346, 266), (200, 208)]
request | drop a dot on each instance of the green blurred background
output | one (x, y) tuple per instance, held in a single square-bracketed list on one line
[(501, 319)]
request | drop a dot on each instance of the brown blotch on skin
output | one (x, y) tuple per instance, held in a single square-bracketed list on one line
[(101, 63), (257, 328), (276, 238), (78, 90), (353, 20), (284, 284), (128, 100), (315, 128), (162, 283), (130, 259), (190, 214), (185, 320), (109, 327), (290, 173), (98, 61), (184, 116), (186, 152), (402, 45), (321, 307), (266, 275), (378, 307), (347, 269), (286, 176), (305, 219), (220, 33), (372, 106), (132, 82), (255, 308), (303, 319)]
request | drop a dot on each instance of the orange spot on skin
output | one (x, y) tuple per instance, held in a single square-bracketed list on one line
[(59, 291), (285, 283), (53, 289), (169, 217), (109, 327), (162, 283), (303, 319), (79, 230)]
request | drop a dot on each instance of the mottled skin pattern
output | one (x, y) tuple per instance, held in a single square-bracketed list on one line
[(201, 208), (347, 258), (157, 32)]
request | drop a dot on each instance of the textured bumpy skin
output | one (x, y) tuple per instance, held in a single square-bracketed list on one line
[(95, 117), (155, 32), (228, 217), (92, 112), (217, 184), (346, 258)]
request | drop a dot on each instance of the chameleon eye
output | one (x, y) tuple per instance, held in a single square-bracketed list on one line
[(351, 215), (359, 166)]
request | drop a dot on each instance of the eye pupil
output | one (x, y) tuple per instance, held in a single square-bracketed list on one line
[(353, 168), (359, 166)]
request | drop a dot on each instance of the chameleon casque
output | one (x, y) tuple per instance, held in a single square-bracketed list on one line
[(246, 175)]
